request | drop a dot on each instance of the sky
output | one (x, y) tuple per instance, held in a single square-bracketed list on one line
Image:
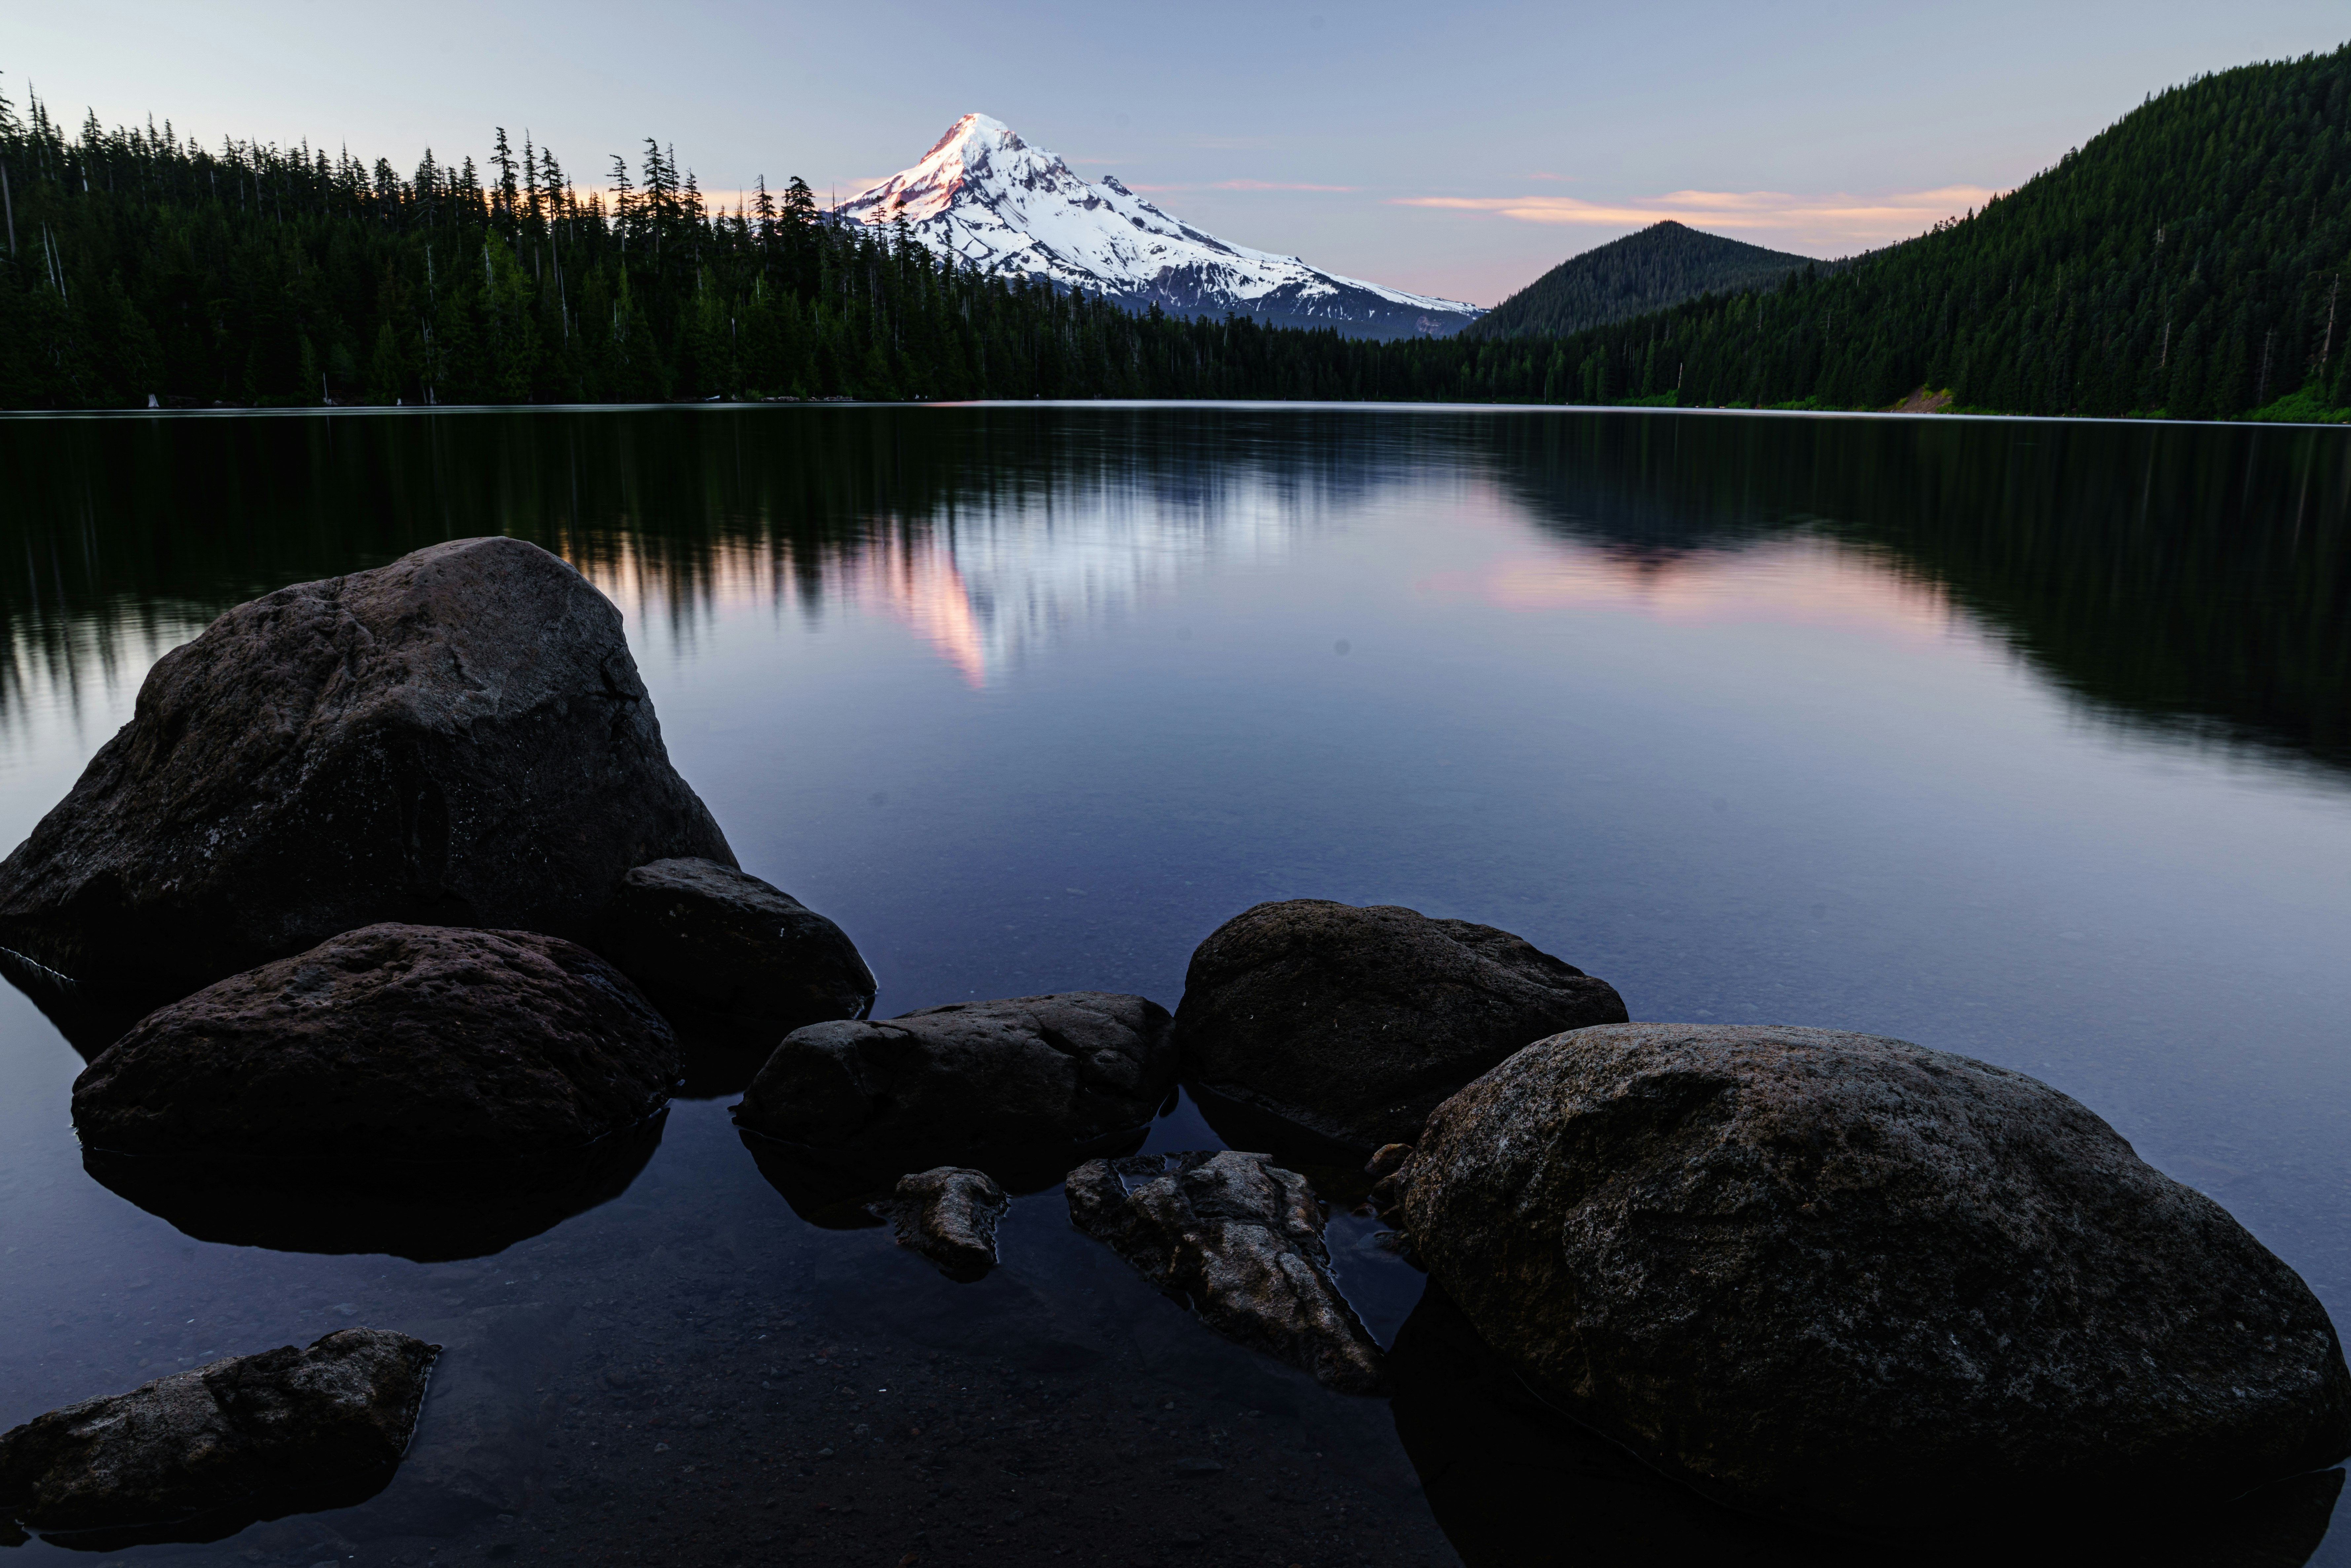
[(1455, 150)]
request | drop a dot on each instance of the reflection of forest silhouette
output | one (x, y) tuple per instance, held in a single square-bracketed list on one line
[(2195, 579)]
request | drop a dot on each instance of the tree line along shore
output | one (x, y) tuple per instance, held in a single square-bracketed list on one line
[(2185, 263)]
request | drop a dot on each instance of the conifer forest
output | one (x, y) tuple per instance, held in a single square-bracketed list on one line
[(2187, 262)]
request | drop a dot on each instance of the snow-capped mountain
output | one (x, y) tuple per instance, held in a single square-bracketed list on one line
[(987, 197)]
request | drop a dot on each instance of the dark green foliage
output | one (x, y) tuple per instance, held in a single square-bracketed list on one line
[(1663, 265), (2187, 261)]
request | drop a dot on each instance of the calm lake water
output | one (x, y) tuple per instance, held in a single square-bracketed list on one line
[(2026, 740)]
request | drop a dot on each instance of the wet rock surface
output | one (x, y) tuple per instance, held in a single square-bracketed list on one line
[(221, 1445), (384, 1055), (1022, 1088), (458, 739), (949, 1216), (716, 947), (1241, 1240), (1852, 1282), (1355, 1023)]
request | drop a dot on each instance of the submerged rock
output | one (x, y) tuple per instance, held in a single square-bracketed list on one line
[(1355, 1023), (385, 1054), (458, 739), (949, 1216), (707, 940), (1856, 1283), (1018, 1088), (1242, 1239), (248, 1437)]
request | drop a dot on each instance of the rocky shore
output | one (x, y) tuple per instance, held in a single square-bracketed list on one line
[(388, 918)]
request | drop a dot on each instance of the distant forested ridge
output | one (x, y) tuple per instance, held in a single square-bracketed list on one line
[(2187, 261), (1663, 265)]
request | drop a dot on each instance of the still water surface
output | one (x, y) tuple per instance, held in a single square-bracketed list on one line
[(2026, 740)]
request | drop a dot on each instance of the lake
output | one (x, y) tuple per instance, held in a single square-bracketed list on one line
[(2029, 741)]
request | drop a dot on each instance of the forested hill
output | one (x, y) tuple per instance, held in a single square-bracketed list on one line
[(139, 266), (2187, 261), (1663, 265)]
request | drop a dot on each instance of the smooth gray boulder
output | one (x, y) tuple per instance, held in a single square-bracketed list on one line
[(1355, 1024), (385, 1054), (1017, 1087), (1856, 1283), (949, 1216), (1241, 1240), (458, 739), (709, 942), (250, 1436)]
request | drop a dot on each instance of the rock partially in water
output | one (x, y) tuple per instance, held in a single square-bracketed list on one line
[(382, 1050), (949, 1216), (1856, 1283), (1241, 1240), (1021, 1089), (458, 739), (711, 943), (201, 1453), (1356, 1023)]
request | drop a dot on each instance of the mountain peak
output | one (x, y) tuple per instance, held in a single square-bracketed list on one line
[(975, 132), (987, 198)]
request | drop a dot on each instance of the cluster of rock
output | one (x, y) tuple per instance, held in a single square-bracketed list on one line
[(403, 855), (383, 892)]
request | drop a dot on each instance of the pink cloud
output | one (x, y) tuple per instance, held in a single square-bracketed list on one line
[(1240, 186), (1828, 219)]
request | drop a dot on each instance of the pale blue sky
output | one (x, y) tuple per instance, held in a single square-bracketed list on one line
[(1456, 150)]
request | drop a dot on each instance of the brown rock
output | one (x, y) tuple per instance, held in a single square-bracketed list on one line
[(388, 1049), (1241, 1240), (458, 739), (1014, 1087), (949, 1216), (1856, 1283), (251, 1437), (1355, 1023), (708, 941)]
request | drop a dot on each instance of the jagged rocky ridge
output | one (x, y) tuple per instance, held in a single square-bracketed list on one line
[(991, 201)]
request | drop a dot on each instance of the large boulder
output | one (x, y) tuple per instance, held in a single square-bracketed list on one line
[(458, 739), (1856, 1283), (397, 1051), (250, 1436), (712, 943), (1355, 1024), (1020, 1088), (1240, 1239)]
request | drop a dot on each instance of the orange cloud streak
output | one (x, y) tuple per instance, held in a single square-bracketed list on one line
[(1896, 217)]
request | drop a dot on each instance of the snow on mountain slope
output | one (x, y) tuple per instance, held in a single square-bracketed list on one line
[(987, 197)]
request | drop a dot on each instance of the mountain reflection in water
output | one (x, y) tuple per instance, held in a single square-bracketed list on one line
[(2024, 740), (2196, 580)]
